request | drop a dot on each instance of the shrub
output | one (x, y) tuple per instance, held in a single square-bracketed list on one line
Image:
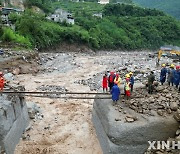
[(10, 36)]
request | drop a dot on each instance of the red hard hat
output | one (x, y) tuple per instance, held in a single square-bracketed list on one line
[(127, 79)]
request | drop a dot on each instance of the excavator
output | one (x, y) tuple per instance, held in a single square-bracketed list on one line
[(169, 51)]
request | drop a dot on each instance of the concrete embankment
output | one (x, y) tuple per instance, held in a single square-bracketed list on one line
[(13, 121), (127, 131)]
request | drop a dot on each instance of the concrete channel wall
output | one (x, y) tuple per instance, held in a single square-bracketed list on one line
[(120, 137), (13, 121)]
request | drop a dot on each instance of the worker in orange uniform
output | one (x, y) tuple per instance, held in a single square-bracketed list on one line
[(105, 83), (127, 88), (2, 81)]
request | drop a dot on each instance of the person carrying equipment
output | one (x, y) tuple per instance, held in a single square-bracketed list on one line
[(115, 93), (2, 81), (163, 74), (131, 80)]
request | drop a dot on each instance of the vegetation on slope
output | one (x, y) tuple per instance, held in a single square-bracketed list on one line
[(122, 27), (171, 7), (45, 5)]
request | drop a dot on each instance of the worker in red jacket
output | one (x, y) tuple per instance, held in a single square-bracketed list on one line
[(105, 83), (2, 81), (111, 80)]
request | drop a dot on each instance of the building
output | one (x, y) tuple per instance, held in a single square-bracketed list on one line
[(103, 1), (99, 15), (5, 11), (61, 16)]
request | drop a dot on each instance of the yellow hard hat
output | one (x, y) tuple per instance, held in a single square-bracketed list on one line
[(127, 76), (131, 73), (172, 65), (163, 65)]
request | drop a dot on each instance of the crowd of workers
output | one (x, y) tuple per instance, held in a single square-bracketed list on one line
[(112, 81)]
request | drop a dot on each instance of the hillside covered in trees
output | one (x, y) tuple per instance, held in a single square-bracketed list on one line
[(171, 7), (121, 27)]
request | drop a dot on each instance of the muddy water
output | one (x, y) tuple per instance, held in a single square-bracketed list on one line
[(66, 126)]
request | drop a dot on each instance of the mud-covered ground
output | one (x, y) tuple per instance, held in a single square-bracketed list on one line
[(66, 126)]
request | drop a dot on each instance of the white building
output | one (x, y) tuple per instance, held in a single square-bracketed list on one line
[(61, 16), (103, 1)]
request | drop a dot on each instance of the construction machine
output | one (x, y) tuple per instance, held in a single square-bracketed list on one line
[(169, 51)]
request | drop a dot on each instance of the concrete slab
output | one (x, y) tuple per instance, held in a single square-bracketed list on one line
[(120, 137)]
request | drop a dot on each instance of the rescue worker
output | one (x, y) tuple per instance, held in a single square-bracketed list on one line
[(2, 81), (177, 76), (127, 76), (115, 93), (131, 80), (171, 74), (151, 79), (163, 74), (105, 83), (127, 88), (117, 80), (111, 80)]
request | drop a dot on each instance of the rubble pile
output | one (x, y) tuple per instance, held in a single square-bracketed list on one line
[(94, 83), (165, 101), (52, 88), (66, 60), (19, 62)]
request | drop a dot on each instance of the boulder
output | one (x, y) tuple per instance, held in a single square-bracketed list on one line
[(174, 105), (16, 71), (33, 109)]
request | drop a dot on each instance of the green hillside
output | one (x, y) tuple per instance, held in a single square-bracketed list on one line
[(122, 26), (171, 7)]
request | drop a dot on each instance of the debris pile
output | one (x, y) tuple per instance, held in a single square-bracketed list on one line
[(165, 101), (94, 83), (66, 60), (52, 88)]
